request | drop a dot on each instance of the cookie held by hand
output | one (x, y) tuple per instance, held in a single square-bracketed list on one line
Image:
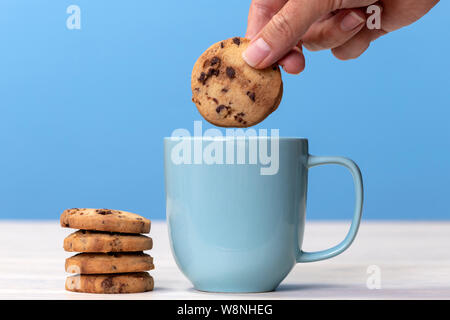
[(230, 93)]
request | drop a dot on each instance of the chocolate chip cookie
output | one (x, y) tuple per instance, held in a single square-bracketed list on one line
[(89, 263), (99, 241), (230, 93), (105, 220), (113, 283)]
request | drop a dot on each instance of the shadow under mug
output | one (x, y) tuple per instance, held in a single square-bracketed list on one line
[(232, 228)]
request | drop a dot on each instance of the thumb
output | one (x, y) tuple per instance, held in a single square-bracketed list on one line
[(284, 31)]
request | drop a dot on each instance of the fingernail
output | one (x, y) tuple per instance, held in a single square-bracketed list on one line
[(256, 52), (351, 21)]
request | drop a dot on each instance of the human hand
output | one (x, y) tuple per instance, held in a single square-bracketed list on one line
[(279, 28)]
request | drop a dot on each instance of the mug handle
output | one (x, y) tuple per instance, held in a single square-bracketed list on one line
[(313, 161)]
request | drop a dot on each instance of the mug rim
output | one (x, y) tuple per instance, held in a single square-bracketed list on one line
[(226, 138)]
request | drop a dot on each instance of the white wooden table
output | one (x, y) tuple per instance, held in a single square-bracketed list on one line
[(413, 257)]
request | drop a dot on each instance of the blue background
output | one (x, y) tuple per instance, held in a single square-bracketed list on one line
[(83, 112)]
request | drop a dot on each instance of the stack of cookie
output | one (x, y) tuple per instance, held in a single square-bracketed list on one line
[(111, 246)]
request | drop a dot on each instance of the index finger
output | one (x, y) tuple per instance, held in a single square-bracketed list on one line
[(260, 13)]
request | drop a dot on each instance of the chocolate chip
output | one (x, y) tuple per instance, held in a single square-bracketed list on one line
[(237, 41), (215, 100), (138, 218), (274, 67), (213, 72), (222, 45), (225, 90), (203, 77), (239, 117), (220, 108), (104, 212), (107, 283), (230, 72), (215, 60), (251, 95)]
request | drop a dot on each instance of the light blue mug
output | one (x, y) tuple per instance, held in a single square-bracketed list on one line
[(235, 224)]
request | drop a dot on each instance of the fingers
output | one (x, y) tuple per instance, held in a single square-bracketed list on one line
[(354, 47), (287, 26), (293, 62), (334, 31), (283, 31), (260, 13)]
